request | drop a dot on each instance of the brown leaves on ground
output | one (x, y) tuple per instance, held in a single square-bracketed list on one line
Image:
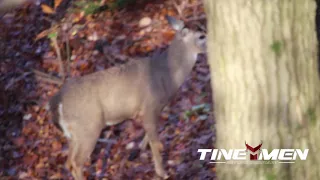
[(32, 148)]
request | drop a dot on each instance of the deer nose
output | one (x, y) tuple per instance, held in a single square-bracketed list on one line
[(204, 48)]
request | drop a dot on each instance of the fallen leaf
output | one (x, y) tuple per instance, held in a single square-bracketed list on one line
[(56, 176), (23, 175), (46, 32), (19, 141), (146, 21), (46, 9), (57, 3), (30, 159), (56, 146), (99, 164)]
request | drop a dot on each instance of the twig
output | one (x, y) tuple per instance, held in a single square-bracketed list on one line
[(45, 79), (194, 5), (68, 52), (39, 73), (107, 141), (40, 76), (57, 49), (201, 17), (179, 7), (13, 81)]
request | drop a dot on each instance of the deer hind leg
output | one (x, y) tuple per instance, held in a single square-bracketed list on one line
[(72, 163), (152, 138), (80, 151), (71, 154)]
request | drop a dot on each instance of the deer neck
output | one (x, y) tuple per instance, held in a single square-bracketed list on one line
[(174, 64), (181, 61)]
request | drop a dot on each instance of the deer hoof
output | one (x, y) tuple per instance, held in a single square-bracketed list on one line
[(162, 173), (165, 176)]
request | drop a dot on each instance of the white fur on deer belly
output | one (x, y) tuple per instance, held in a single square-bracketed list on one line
[(111, 123), (62, 123)]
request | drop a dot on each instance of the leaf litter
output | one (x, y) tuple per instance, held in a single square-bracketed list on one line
[(31, 147)]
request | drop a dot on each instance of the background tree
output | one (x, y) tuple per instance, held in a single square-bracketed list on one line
[(263, 62), (8, 5)]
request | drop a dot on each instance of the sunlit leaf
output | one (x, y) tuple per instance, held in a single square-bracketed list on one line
[(46, 9), (52, 35), (91, 9), (80, 3), (42, 34), (57, 3)]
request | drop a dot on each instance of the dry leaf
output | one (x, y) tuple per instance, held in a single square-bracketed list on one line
[(30, 159), (43, 34), (56, 146), (99, 164), (57, 3), (19, 141), (57, 175), (46, 9), (46, 32)]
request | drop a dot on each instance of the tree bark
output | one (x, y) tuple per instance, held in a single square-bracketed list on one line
[(265, 81)]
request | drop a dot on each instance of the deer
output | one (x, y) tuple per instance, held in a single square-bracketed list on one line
[(87, 104)]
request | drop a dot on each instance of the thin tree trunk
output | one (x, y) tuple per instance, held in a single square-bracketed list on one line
[(263, 62)]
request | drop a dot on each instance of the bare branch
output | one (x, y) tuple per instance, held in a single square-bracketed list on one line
[(57, 49), (15, 80), (41, 76)]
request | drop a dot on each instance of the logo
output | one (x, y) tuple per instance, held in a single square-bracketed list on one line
[(253, 155), (254, 151)]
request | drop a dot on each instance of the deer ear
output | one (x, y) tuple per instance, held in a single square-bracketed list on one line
[(184, 32), (175, 23)]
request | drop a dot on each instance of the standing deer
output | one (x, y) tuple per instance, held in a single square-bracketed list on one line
[(85, 105)]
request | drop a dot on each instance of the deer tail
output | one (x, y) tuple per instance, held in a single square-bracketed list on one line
[(53, 106)]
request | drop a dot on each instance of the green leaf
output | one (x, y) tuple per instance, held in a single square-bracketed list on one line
[(80, 3), (270, 176), (91, 9), (276, 47), (188, 113), (121, 3), (52, 35), (312, 115)]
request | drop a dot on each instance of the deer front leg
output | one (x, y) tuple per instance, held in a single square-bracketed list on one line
[(151, 137), (144, 143)]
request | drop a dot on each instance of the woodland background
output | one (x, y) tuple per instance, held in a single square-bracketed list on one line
[(83, 37)]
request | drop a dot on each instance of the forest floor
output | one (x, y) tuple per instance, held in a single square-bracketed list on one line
[(90, 37)]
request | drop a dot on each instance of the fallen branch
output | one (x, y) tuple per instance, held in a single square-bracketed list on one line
[(41, 76), (48, 80), (179, 7), (57, 49), (201, 17), (13, 81)]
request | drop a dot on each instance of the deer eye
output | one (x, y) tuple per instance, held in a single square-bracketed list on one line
[(202, 37)]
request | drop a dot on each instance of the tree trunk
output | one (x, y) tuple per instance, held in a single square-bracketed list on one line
[(8, 5), (263, 63)]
